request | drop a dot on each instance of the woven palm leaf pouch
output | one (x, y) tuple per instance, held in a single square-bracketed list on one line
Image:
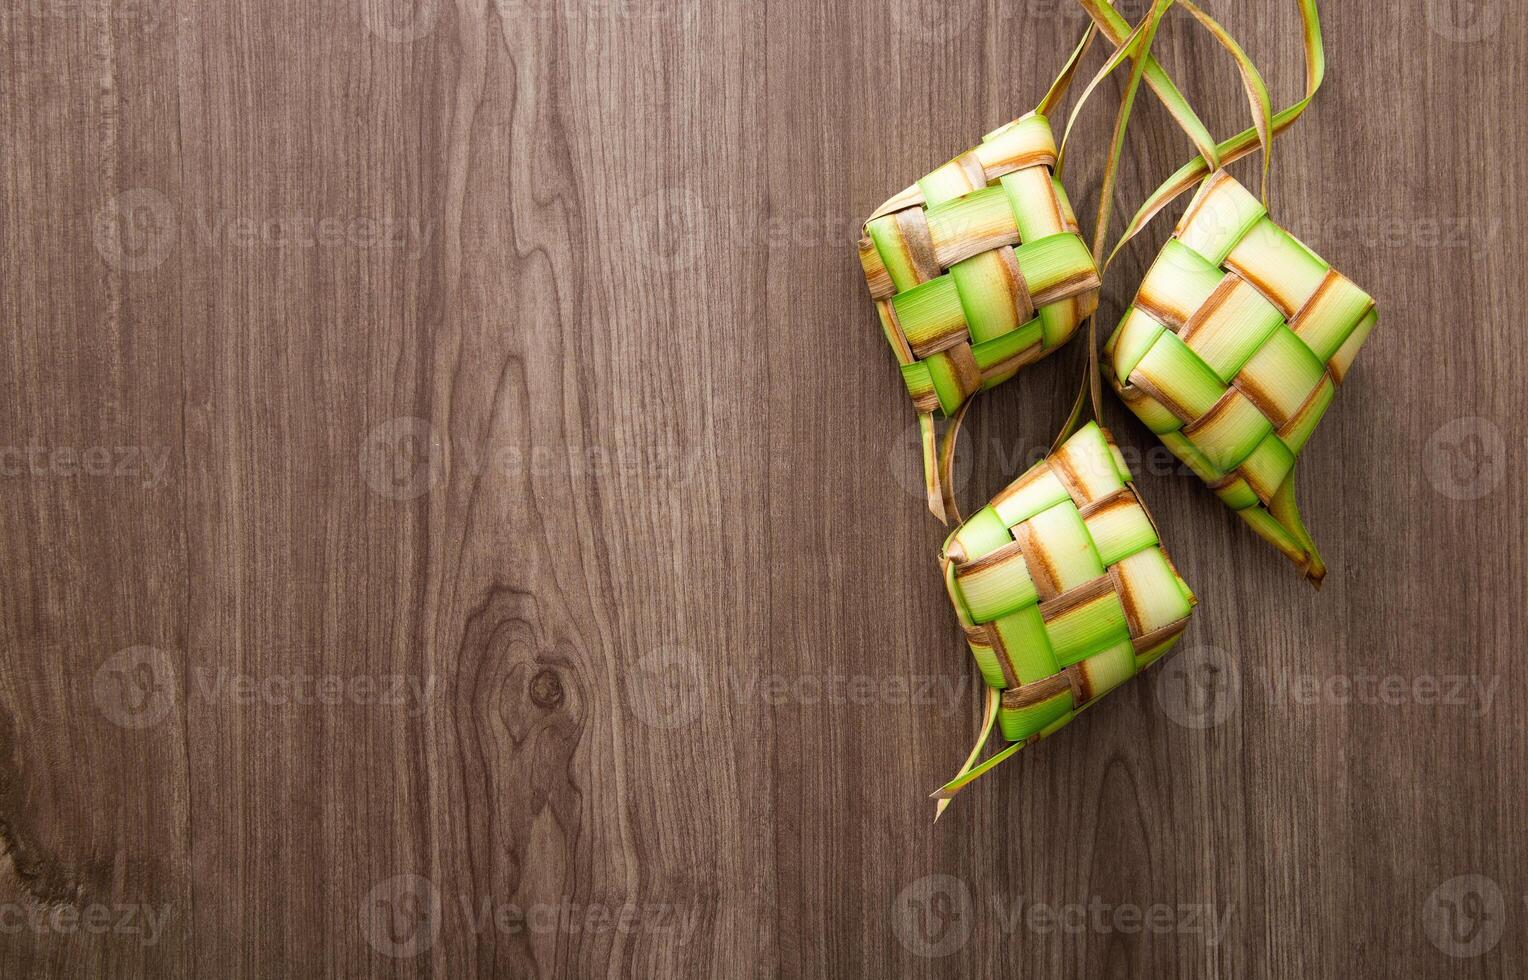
[(977, 270), (1233, 350), (980, 269), (1240, 334), (1063, 588)]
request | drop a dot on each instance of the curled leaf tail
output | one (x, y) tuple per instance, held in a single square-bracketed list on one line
[(969, 771), (1286, 510)]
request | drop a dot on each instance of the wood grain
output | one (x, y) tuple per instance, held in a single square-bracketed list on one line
[(459, 515)]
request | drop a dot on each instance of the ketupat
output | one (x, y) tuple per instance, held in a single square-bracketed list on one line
[(1233, 349), (1063, 589), (977, 270)]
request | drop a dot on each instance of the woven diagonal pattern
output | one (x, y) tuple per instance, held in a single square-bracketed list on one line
[(1233, 349), (978, 269), (1062, 587)]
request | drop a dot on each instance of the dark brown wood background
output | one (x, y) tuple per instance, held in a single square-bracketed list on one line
[(519, 356)]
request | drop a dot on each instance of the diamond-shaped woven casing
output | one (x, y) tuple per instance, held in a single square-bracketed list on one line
[(978, 269), (1062, 586), (1232, 351)]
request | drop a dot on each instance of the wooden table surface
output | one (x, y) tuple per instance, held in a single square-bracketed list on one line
[(460, 517)]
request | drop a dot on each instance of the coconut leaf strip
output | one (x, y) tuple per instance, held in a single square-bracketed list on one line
[(1342, 361), (1091, 391), (929, 439), (1242, 143), (1117, 143), (1219, 218), (1120, 528), (1115, 28), (1286, 511), (1064, 79), (947, 463), (1252, 82), (1331, 315), (989, 715), (1138, 41), (947, 792), (1094, 382), (1074, 417)]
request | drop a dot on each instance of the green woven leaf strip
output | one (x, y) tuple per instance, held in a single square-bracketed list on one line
[(1242, 143)]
